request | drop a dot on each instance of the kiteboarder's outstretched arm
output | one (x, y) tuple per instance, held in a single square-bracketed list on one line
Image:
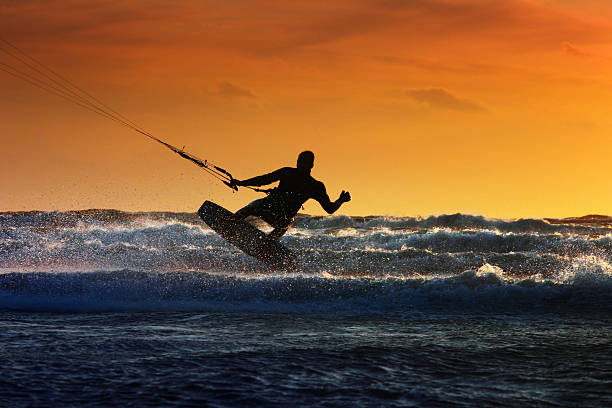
[(327, 204), (261, 180)]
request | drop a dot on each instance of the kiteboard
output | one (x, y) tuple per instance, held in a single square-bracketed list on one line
[(246, 237)]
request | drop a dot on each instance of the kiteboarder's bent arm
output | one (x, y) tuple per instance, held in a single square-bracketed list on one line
[(261, 180), (327, 204)]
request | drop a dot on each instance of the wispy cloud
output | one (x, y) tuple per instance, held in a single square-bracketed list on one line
[(264, 27), (572, 50), (229, 90), (531, 23), (435, 66), (442, 99)]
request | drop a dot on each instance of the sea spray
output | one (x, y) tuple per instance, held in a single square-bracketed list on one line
[(108, 260)]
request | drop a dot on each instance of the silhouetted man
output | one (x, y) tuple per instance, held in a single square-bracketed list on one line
[(295, 187)]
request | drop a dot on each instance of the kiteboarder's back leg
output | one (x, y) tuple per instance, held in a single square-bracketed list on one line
[(277, 233), (253, 208)]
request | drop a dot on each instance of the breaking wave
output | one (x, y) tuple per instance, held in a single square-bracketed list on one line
[(483, 290), (99, 260)]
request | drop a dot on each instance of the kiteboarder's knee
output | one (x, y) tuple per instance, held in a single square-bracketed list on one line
[(253, 208), (243, 213)]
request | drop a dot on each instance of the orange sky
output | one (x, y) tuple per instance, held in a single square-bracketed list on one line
[(499, 108)]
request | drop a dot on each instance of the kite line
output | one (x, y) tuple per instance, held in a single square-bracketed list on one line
[(34, 72)]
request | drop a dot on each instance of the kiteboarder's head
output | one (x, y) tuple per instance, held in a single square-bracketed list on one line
[(305, 160)]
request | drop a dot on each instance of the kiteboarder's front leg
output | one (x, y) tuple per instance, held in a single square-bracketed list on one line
[(253, 208)]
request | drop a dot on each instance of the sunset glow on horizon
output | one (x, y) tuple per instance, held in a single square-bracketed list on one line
[(495, 108)]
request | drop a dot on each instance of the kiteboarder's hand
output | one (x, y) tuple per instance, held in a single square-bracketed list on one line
[(345, 196), (234, 183)]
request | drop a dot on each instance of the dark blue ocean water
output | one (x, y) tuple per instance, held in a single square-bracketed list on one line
[(103, 308), (271, 359)]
